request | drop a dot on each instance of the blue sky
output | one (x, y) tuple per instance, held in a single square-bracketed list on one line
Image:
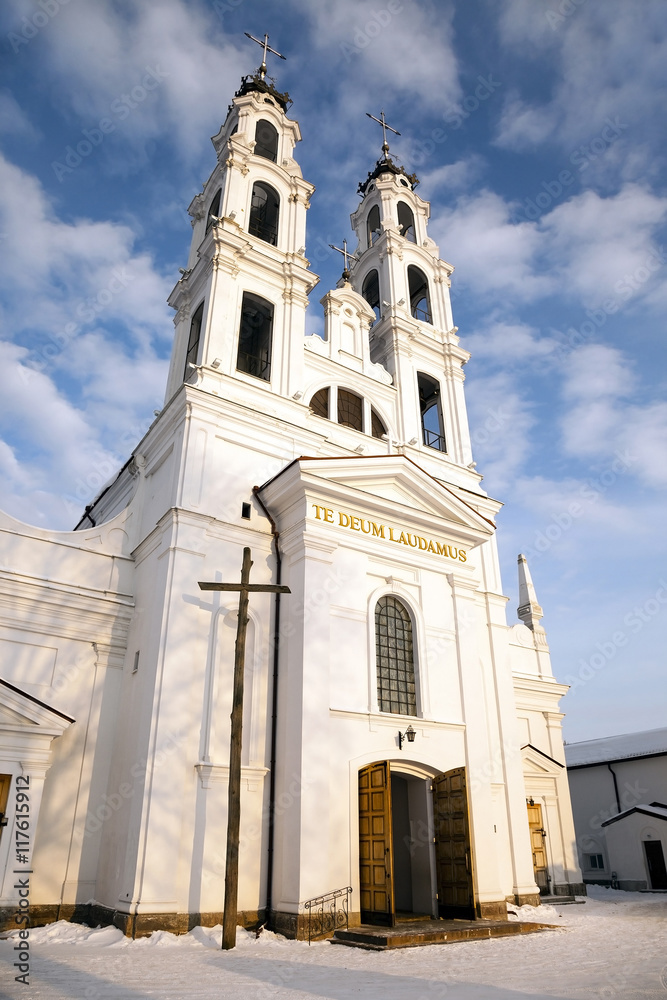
[(536, 128)]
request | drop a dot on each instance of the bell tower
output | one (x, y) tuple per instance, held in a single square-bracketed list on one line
[(241, 302), (400, 274)]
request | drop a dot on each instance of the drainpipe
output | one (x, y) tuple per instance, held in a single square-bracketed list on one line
[(274, 711), (618, 801)]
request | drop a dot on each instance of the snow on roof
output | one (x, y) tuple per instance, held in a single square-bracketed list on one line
[(660, 812), (652, 741)]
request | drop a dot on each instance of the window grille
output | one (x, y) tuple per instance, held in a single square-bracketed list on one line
[(319, 402), (378, 429), (371, 292), (406, 222), (266, 140), (373, 225), (214, 209), (264, 211), (431, 412), (420, 304), (394, 657), (254, 353), (193, 340)]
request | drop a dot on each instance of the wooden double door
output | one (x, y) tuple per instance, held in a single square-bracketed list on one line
[(451, 834)]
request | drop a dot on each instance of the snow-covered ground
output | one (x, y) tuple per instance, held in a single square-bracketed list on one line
[(614, 945)]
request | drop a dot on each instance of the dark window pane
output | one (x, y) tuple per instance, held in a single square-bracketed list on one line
[(213, 209), (373, 225), (378, 429), (350, 409), (254, 355), (420, 305), (431, 412), (371, 292), (319, 402), (266, 140), (394, 657), (193, 340), (264, 211), (406, 222)]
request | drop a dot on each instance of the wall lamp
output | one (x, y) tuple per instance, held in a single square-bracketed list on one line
[(408, 735)]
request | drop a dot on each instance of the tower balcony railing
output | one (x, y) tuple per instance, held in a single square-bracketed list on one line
[(434, 440)]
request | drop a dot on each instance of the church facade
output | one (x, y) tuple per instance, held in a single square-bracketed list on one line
[(399, 738)]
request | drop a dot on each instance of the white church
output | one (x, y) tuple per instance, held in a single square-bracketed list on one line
[(401, 741)]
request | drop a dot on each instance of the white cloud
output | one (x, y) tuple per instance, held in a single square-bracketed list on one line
[(501, 419), (461, 175), (506, 342)]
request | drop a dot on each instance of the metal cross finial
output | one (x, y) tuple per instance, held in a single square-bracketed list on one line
[(267, 48), (346, 256), (381, 121)]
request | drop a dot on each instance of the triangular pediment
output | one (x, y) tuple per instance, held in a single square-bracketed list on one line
[(403, 484), (22, 711), (537, 762)]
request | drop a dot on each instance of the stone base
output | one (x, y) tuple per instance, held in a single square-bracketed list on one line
[(295, 925), (527, 899), (131, 924), (494, 910), (569, 889)]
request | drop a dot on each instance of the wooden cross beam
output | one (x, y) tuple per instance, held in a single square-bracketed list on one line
[(244, 588)]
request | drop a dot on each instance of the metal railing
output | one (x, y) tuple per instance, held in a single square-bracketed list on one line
[(328, 912)]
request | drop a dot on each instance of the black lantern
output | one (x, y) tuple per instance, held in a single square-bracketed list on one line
[(408, 735)]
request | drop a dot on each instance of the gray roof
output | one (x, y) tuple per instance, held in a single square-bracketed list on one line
[(646, 744), (658, 812)]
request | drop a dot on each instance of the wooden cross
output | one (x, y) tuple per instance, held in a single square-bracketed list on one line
[(381, 121), (244, 588), (267, 48)]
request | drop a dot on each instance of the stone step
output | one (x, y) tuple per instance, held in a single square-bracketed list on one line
[(415, 934)]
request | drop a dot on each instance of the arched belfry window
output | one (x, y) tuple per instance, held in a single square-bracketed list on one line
[(373, 225), (371, 292), (254, 354), (266, 140), (319, 402), (406, 222), (193, 340), (213, 209), (264, 211), (420, 303), (350, 409), (394, 657), (431, 412)]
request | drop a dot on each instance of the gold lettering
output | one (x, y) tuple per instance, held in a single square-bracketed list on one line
[(431, 546), (378, 529), (402, 538), (354, 522), (317, 510), (367, 530), (391, 536), (328, 514), (425, 543), (344, 520), (411, 543), (462, 555), (442, 549)]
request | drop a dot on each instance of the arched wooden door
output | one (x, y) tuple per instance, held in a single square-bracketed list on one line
[(375, 845), (453, 853)]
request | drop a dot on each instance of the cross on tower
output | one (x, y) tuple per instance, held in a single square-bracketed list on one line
[(244, 588), (267, 48), (381, 121), (346, 256)]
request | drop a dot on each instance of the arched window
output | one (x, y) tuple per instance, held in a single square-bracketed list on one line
[(193, 340), (264, 211), (371, 292), (378, 428), (350, 409), (319, 402), (214, 209), (266, 140), (406, 222), (420, 304), (431, 412), (394, 657), (254, 354), (373, 225)]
